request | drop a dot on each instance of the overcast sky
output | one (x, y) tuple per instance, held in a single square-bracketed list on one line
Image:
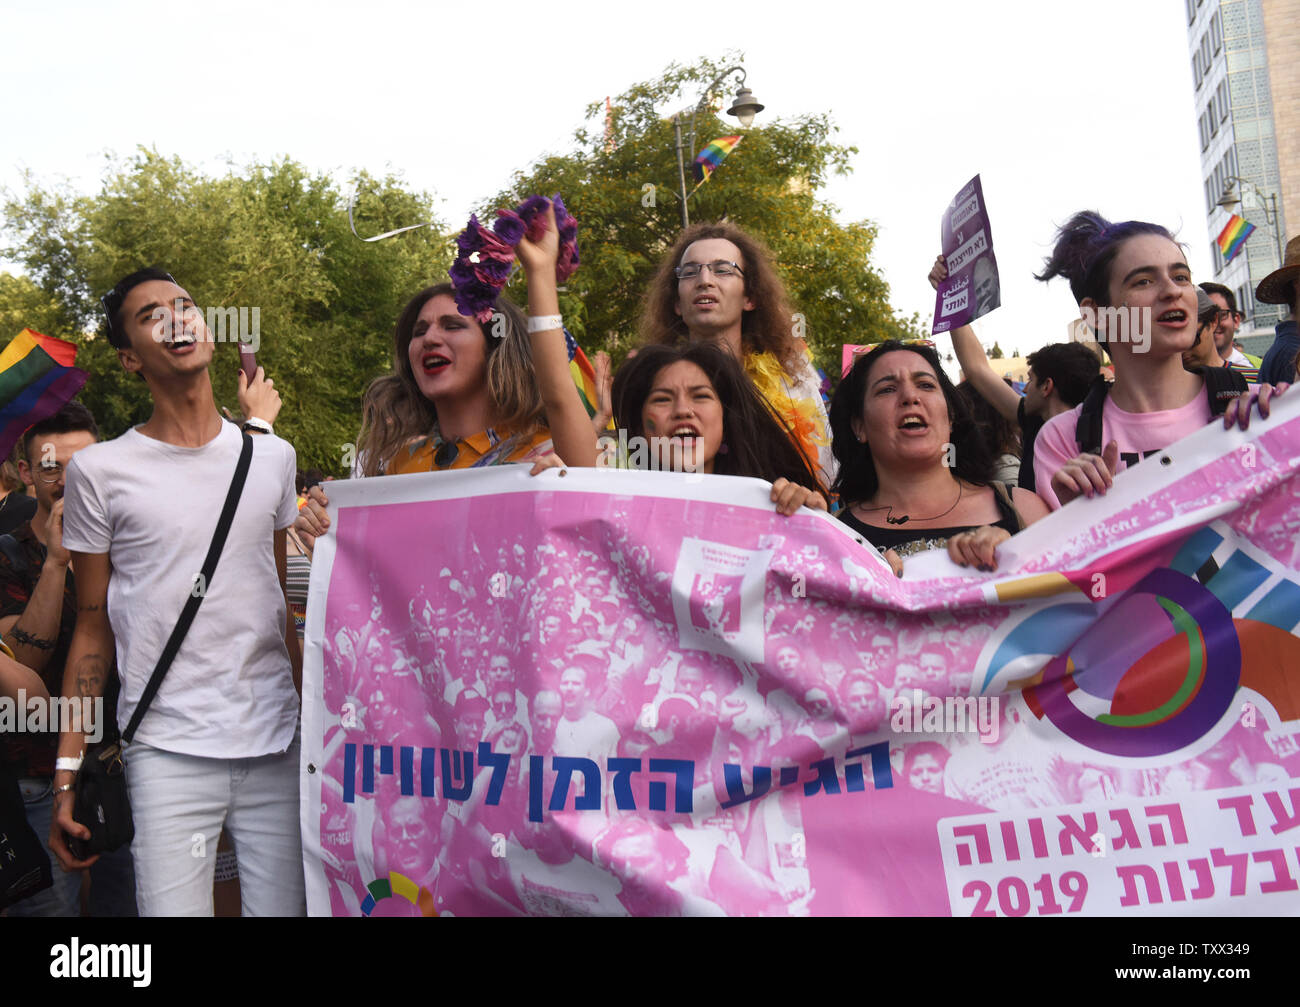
[(1059, 107)]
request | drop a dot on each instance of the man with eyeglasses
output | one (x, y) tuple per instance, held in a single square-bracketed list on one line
[(38, 611), (719, 284), (1229, 319)]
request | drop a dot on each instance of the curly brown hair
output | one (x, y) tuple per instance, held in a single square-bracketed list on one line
[(766, 329)]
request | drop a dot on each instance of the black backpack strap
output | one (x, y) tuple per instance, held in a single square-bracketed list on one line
[(1222, 385), (204, 583), (17, 558), (1087, 432), (1003, 492)]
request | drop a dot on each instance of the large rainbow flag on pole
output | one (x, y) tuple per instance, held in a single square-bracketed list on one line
[(37, 378), (1233, 236), (707, 160)]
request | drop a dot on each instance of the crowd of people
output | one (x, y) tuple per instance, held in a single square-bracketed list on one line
[(722, 385)]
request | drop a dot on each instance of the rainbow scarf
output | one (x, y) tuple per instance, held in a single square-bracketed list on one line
[(707, 160), (1232, 237), (36, 380)]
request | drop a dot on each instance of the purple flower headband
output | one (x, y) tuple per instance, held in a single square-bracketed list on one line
[(486, 258)]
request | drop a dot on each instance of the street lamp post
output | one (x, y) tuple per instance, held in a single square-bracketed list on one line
[(744, 107)]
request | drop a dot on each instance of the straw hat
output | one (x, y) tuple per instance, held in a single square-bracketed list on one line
[(1273, 289)]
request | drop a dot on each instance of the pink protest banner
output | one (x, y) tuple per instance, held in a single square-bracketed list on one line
[(613, 692)]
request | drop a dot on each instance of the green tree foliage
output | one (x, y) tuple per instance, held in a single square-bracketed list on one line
[(624, 191), (275, 237), (996, 352), (272, 236)]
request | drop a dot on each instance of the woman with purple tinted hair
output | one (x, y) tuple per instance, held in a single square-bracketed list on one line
[(1134, 288)]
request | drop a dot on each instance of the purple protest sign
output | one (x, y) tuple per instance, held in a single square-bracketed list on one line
[(971, 288)]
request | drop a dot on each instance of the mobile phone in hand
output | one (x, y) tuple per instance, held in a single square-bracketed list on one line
[(248, 361)]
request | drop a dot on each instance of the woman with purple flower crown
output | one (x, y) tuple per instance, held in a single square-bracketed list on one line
[(475, 382)]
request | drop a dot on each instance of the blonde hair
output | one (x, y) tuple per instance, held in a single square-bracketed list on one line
[(395, 413)]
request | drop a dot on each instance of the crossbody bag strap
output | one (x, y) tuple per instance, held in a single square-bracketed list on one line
[(201, 587)]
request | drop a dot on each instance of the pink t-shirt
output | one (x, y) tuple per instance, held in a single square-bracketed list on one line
[(1138, 434)]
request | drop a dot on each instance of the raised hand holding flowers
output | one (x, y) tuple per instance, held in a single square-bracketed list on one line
[(540, 229)]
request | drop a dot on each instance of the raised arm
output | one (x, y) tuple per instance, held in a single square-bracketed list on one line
[(975, 363), (572, 433), (34, 633), (90, 662)]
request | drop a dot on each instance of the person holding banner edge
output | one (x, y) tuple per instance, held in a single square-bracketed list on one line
[(910, 456), (718, 284), (1133, 280), (462, 395), (701, 413)]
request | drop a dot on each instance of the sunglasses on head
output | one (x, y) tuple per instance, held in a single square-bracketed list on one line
[(112, 301)]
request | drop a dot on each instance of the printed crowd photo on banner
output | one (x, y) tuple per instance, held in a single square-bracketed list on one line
[(611, 693)]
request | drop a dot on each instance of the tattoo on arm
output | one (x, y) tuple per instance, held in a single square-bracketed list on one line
[(92, 673), (23, 637)]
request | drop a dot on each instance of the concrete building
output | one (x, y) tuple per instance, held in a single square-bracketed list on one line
[(1246, 72)]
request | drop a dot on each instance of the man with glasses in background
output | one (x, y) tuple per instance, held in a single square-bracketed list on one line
[(719, 284), (38, 611), (1225, 331)]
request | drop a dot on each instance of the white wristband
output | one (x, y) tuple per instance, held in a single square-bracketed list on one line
[(254, 423), (545, 323), (68, 763)]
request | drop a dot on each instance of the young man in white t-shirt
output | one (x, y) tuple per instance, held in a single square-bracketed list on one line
[(218, 745)]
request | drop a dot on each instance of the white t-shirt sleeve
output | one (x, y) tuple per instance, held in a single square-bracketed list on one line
[(86, 526), (288, 511)]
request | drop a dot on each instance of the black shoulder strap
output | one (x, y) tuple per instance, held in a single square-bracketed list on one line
[(1222, 385), (1087, 432), (201, 587), (17, 558)]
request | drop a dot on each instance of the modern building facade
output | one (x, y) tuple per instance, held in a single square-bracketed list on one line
[(1246, 70)]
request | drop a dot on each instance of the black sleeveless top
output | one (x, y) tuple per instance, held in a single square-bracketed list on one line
[(910, 541)]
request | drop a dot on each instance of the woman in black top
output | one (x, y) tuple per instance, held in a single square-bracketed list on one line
[(915, 473)]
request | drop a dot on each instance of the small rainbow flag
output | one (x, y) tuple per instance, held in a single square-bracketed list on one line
[(1232, 237), (36, 380), (707, 160), (583, 374)]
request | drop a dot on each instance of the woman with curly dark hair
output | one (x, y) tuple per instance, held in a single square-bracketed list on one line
[(915, 472), (690, 408)]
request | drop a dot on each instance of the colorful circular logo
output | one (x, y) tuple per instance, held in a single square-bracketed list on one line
[(397, 887), (1157, 668)]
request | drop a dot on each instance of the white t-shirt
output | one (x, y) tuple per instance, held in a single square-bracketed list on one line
[(153, 507), (592, 736)]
